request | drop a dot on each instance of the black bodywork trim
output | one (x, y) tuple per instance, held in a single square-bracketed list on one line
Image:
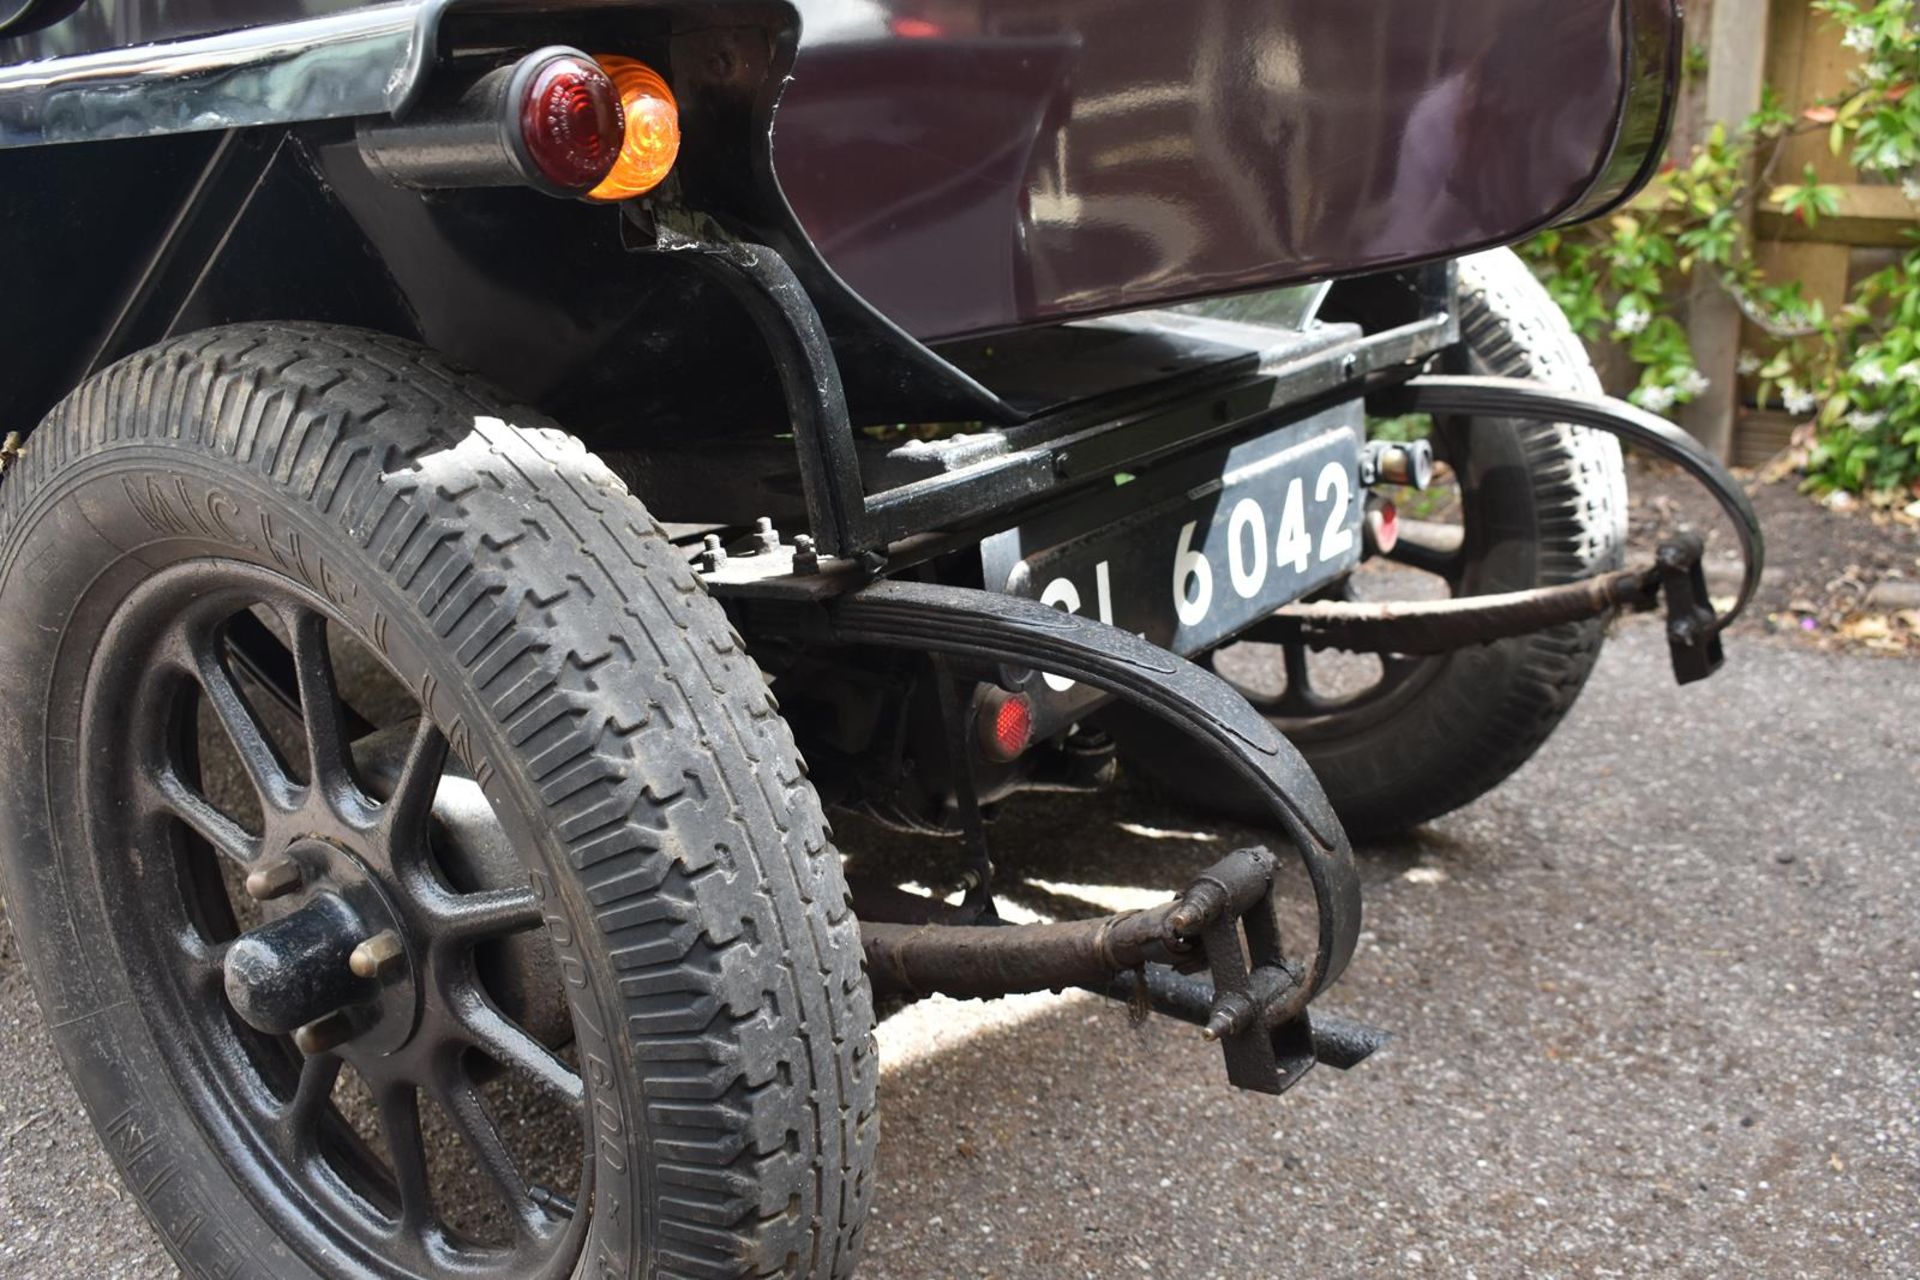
[(1649, 93)]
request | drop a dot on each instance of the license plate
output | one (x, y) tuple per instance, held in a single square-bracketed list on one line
[(1197, 550)]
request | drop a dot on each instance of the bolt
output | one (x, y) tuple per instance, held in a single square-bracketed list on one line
[(805, 558), (377, 955), (1231, 1013), (765, 536), (1218, 1025), (323, 1034), (275, 879), (1063, 464), (712, 554)]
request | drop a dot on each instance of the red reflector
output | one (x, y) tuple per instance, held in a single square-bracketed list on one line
[(1383, 522), (917, 29), (571, 122), (1006, 725)]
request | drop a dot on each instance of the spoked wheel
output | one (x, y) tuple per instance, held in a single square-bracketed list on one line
[(348, 944), (413, 869), (1397, 740)]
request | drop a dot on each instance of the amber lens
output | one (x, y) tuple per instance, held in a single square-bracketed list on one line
[(571, 122), (652, 140)]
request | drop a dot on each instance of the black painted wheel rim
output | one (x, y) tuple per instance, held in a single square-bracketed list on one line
[(422, 1026)]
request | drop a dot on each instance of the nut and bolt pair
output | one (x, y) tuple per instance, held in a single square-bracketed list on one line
[(373, 958), (765, 539), (713, 552)]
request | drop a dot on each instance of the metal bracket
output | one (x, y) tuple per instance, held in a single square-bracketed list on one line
[(1693, 634), (786, 319), (1263, 1032)]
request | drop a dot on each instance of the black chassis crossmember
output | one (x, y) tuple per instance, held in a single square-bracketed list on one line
[(831, 590)]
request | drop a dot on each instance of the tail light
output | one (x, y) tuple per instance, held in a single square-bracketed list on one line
[(1004, 724), (652, 140), (571, 122), (552, 121)]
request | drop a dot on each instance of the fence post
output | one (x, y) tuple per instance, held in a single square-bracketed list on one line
[(1736, 65)]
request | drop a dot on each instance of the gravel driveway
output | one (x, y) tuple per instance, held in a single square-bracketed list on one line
[(1656, 1005)]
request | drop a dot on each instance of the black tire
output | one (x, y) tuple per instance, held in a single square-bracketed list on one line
[(1542, 504), (630, 747)]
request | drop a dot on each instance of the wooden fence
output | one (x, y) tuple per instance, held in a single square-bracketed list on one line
[(1781, 43)]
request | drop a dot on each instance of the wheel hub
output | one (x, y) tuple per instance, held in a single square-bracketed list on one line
[(331, 964)]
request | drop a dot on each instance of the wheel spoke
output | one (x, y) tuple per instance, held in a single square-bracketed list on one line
[(251, 743), (227, 837), (1431, 547), (260, 655), (300, 1120), (501, 1039), (205, 963), (399, 1108), (471, 917), (322, 716), (461, 1100), (1298, 698), (411, 804)]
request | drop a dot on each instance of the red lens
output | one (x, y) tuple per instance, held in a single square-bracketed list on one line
[(1007, 725), (1383, 522), (571, 122)]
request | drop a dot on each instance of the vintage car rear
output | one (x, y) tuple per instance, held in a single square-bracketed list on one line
[(464, 452)]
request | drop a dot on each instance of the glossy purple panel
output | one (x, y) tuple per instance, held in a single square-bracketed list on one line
[(968, 165)]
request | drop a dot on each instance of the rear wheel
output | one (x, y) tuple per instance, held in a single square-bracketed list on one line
[(1399, 740), (413, 867)]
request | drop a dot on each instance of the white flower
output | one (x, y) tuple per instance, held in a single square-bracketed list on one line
[(1747, 365), (1887, 158), (1861, 420), (1876, 71), (1798, 401), (1858, 39), (1692, 383), (1655, 399), (1908, 372), (1870, 374), (1631, 318), (1910, 188)]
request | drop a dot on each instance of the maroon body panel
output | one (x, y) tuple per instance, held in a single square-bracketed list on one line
[(972, 165)]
